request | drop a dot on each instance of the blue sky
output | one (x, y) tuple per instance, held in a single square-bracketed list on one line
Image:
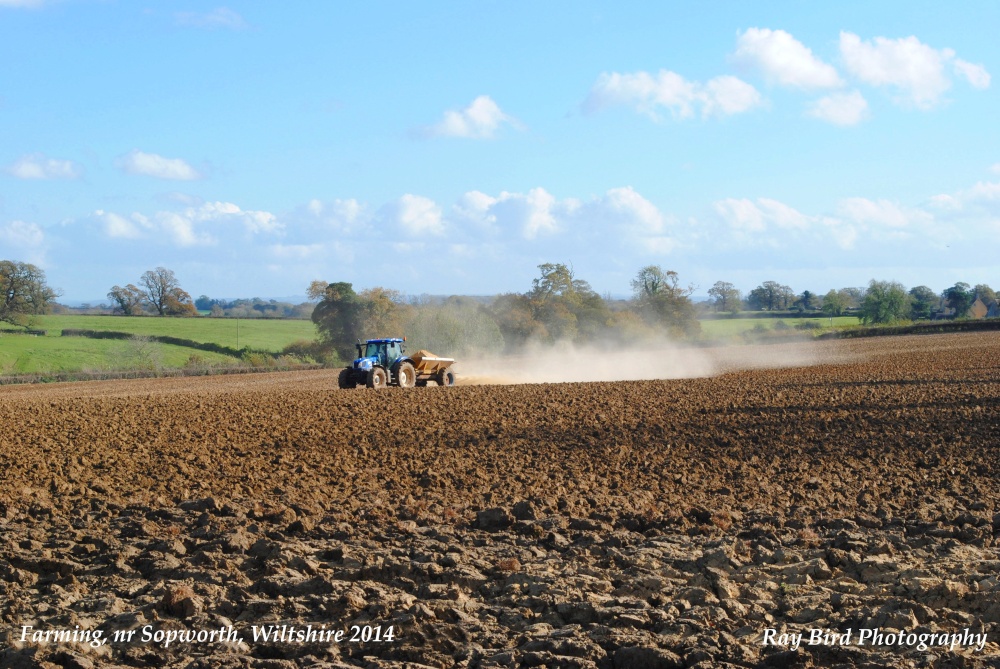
[(452, 147)]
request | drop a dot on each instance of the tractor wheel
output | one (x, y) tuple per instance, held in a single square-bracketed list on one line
[(406, 376), (446, 378), (376, 378), (346, 379)]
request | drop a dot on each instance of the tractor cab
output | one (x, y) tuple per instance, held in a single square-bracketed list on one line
[(379, 352)]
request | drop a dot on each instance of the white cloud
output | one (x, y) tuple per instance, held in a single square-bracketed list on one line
[(976, 75), (531, 212), (784, 60), (760, 215), (153, 165), (480, 120), (37, 166), (416, 215), (193, 226), (725, 95), (27, 238), (844, 234), (879, 212), (840, 108), (995, 168), (22, 234), (119, 227), (907, 65), (222, 17)]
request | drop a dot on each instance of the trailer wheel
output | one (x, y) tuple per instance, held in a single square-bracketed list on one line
[(346, 379), (446, 378), (406, 376), (376, 378)]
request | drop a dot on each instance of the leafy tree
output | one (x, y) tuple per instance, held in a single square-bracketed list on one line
[(178, 303), (23, 292), (959, 297), (770, 296), (806, 301), (316, 290), (567, 307), (381, 313), (514, 315), (725, 296), (835, 302), (985, 293), (337, 317), (854, 296), (662, 301), (885, 302), (127, 300), (206, 303), (924, 302)]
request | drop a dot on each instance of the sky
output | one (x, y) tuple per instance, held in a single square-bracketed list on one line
[(452, 147)]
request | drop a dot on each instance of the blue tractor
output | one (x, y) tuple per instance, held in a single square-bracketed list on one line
[(383, 362)]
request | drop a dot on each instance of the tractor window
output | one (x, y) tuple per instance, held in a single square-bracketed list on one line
[(373, 350)]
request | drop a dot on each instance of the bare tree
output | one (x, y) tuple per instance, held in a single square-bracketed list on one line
[(158, 285)]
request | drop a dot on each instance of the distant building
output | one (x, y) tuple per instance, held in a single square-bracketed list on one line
[(977, 310)]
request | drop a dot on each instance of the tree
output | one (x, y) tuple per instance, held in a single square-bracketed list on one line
[(127, 300), (985, 293), (316, 290), (158, 285), (567, 307), (23, 292), (725, 296), (884, 302), (770, 296), (662, 301), (178, 303), (854, 296), (381, 312), (337, 318), (835, 302), (806, 301), (924, 302), (959, 297)]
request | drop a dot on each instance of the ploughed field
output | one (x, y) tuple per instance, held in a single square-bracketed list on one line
[(627, 524)]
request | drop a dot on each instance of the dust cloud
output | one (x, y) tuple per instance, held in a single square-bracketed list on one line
[(568, 363)]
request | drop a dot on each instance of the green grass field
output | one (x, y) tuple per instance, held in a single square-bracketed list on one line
[(724, 328), (263, 334), (21, 354)]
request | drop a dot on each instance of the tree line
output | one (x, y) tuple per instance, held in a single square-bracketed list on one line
[(559, 307), (879, 302)]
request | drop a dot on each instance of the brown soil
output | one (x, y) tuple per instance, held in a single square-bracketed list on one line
[(626, 524)]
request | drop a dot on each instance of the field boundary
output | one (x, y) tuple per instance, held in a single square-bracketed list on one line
[(163, 339), (111, 375), (936, 327)]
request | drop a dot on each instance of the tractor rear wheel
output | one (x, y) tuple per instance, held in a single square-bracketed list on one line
[(346, 379), (406, 376), (376, 378), (446, 378)]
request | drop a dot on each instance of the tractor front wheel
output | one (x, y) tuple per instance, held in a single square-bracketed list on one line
[(406, 376), (376, 378), (346, 379)]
